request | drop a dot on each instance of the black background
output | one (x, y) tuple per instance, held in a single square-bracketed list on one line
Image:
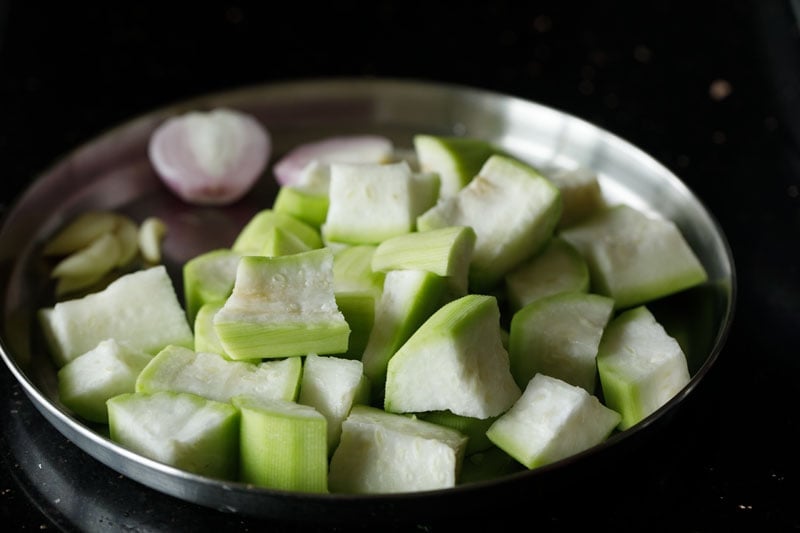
[(710, 89)]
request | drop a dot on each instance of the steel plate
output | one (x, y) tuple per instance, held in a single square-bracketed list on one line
[(113, 172)]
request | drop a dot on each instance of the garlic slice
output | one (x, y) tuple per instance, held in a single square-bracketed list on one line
[(99, 257), (80, 232), (151, 235)]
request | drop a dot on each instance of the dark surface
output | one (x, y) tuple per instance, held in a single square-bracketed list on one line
[(710, 89)]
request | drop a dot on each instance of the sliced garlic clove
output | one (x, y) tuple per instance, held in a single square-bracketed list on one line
[(80, 232), (72, 284), (96, 259), (151, 234), (127, 234)]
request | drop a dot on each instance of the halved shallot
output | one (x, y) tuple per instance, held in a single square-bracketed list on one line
[(339, 149), (210, 157)]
